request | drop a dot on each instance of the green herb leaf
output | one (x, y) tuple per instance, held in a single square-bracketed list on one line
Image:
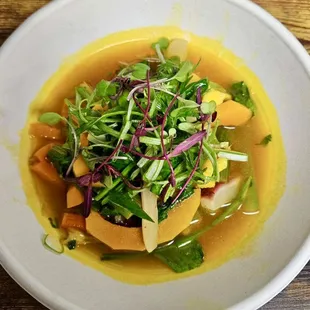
[(208, 107), (154, 170), (185, 71), (123, 200), (140, 71), (162, 42), (241, 94), (182, 259), (191, 89), (265, 141), (50, 118)]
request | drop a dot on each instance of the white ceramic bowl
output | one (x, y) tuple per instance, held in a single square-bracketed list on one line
[(35, 51)]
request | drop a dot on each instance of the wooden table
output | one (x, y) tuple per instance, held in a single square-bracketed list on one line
[(295, 14)]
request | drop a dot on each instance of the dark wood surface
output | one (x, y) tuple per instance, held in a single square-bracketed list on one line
[(294, 14)]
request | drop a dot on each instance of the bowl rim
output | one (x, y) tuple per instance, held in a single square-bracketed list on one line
[(45, 296)]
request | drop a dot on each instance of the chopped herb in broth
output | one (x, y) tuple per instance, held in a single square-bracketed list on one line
[(148, 163)]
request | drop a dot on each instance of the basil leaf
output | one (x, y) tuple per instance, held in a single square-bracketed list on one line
[(181, 259)]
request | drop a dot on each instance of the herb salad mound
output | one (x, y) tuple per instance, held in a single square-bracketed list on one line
[(143, 155)]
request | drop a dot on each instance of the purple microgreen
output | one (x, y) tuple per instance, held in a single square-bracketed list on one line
[(86, 179), (143, 85), (118, 94), (117, 173), (187, 144), (163, 193), (126, 149), (199, 97), (115, 151), (214, 116), (88, 198)]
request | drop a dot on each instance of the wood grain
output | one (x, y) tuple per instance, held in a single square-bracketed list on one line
[(295, 15)]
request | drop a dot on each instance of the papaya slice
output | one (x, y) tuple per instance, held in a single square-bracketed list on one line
[(232, 113), (124, 238), (74, 197)]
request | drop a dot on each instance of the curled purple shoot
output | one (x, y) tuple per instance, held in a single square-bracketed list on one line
[(88, 198), (188, 143), (190, 176), (198, 96), (117, 173), (133, 143), (118, 94), (84, 180), (163, 193), (214, 116), (125, 149), (118, 147), (172, 176)]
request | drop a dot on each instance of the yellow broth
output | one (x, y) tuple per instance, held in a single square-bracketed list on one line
[(99, 61)]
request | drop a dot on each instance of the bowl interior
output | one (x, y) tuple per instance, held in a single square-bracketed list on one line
[(35, 52)]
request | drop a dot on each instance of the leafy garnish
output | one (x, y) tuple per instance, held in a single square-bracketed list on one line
[(162, 42), (149, 127), (241, 94), (266, 140), (125, 201), (50, 118), (182, 259), (184, 72)]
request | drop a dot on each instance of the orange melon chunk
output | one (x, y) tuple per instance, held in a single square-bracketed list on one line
[(41, 130), (74, 197), (72, 220), (80, 167), (43, 168), (124, 238), (232, 113)]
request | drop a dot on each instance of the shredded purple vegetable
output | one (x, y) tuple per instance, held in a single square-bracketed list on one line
[(187, 144)]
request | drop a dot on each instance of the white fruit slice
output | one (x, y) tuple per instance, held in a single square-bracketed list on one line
[(215, 198), (177, 47), (149, 229)]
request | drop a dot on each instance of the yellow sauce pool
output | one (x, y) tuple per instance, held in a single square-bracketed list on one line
[(99, 60)]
